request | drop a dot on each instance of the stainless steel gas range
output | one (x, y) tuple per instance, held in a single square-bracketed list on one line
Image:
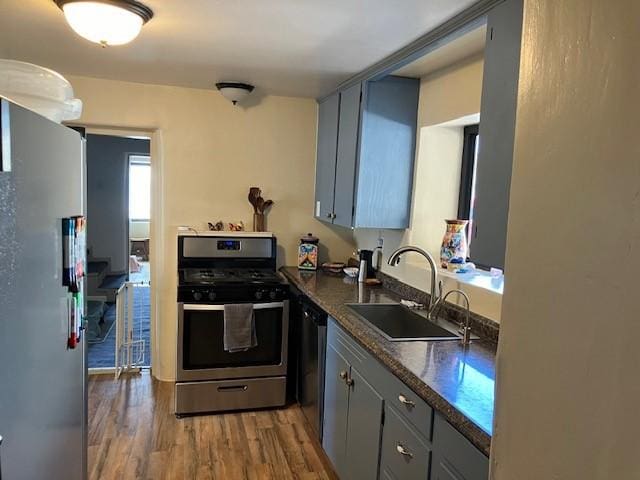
[(215, 270)]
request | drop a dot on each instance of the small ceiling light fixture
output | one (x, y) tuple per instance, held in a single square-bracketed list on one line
[(234, 91), (107, 22)]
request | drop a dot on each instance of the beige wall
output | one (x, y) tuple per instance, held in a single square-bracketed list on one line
[(206, 153), (567, 387), (451, 93), (449, 99)]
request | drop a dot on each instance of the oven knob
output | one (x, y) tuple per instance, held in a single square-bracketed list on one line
[(212, 296), (272, 294), (197, 296), (259, 294)]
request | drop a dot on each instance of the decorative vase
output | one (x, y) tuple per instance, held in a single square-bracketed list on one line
[(258, 222), (454, 242)]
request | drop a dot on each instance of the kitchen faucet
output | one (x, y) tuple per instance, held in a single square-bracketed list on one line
[(394, 259), (435, 299)]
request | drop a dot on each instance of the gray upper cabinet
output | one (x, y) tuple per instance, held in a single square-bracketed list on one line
[(497, 128), (347, 155), (328, 111), (374, 155), (387, 153)]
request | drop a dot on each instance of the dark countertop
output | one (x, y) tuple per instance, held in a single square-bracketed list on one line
[(458, 382)]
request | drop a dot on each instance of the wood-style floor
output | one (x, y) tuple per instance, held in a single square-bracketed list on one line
[(133, 434)]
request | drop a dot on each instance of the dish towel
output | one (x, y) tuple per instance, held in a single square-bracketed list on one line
[(239, 327)]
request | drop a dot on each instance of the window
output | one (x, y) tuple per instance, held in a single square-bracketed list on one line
[(467, 197), (139, 188)]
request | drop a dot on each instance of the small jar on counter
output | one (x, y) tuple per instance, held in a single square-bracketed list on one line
[(308, 253)]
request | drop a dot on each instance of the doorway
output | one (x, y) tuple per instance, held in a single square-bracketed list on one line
[(118, 211), (139, 246)]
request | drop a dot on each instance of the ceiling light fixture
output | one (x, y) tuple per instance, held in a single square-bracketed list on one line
[(107, 22), (234, 91)]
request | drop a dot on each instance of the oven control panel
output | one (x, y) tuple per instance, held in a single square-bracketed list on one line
[(229, 245), (218, 295), (271, 294)]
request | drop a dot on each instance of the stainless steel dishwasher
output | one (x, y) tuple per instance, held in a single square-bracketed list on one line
[(312, 353)]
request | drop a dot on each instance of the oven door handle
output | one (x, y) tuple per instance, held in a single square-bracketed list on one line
[(219, 308)]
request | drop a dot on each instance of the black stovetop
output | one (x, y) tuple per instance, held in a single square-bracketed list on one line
[(228, 276)]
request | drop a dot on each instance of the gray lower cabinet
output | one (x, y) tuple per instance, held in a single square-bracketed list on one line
[(365, 156), (364, 428), (336, 409), (406, 454), (454, 457), (352, 420), (375, 427)]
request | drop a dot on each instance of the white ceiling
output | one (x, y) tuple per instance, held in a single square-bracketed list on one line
[(284, 47), (463, 47)]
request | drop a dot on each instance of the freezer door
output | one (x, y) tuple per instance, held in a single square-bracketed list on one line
[(42, 383)]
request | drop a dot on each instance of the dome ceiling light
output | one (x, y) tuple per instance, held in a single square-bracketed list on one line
[(107, 22), (234, 91)]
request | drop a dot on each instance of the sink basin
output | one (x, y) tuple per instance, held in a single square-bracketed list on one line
[(398, 323)]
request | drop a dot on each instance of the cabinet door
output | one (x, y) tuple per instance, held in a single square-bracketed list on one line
[(336, 410), (348, 137), (497, 128), (387, 152), (454, 457), (328, 111), (364, 429)]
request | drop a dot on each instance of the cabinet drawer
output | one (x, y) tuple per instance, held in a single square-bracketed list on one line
[(404, 452), (454, 457), (405, 401), (346, 346)]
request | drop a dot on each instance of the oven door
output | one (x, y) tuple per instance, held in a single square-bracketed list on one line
[(201, 354)]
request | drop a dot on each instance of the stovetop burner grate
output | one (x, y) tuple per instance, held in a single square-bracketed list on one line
[(211, 276)]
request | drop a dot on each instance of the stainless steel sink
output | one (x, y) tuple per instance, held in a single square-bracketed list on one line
[(398, 323)]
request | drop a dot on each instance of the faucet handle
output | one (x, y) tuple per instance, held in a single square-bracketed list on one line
[(465, 332), (411, 304)]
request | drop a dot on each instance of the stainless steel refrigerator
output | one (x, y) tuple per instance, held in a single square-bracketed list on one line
[(43, 413)]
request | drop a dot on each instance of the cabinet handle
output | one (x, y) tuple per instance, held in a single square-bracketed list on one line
[(349, 382), (343, 375), (329, 215), (403, 451), (406, 401), (233, 388)]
